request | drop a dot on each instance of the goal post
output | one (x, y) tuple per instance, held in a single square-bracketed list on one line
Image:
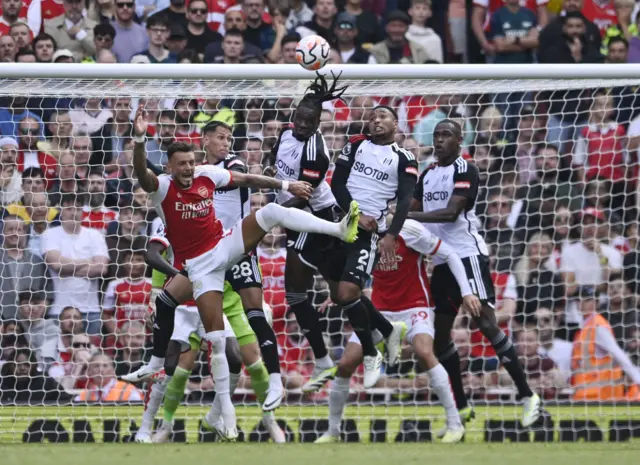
[(556, 147)]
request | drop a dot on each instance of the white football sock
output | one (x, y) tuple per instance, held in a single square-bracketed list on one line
[(219, 368), (156, 394), (272, 215), (324, 362), (275, 381), (337, 400), (213, 415), (156, 362), (440, 385)]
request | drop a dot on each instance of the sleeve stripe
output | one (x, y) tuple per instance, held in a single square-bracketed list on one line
[(461, 164), (311, 148), (435, 249), (399, 150), (161, 240)]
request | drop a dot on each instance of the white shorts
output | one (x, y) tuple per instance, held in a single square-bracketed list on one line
[(418, 320), (187, 322), (207, 271)]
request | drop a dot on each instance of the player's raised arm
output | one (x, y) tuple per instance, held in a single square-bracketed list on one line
[(298, 188), (147, 179)]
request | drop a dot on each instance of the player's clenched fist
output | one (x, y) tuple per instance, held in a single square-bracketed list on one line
[(300, 189)]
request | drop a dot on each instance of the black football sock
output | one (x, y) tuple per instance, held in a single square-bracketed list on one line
[(163, 324), (359, 319), (266, 339), (307, 318), (450, 360), (506, 352)]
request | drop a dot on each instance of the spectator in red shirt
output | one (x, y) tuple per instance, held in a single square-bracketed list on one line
[(10, 11), (96, 215), (127, 299), (30, 153), (600, 150)]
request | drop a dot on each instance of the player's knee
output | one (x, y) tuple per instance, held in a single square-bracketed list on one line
[(424, 352), (267, 217), (487, 326), (346, 368), (347, 293)]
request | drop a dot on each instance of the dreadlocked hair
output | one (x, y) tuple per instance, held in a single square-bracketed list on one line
[(319, 92)]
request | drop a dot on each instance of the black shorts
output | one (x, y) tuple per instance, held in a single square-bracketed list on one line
[(313, 248), (245, 274), (355, 262), (445, 289)]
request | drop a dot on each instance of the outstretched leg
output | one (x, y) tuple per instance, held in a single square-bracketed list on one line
[(256, 225)]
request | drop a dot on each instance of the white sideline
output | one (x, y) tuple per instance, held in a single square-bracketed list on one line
[(81, 71)]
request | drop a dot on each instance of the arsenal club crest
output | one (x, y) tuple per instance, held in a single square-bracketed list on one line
[(203, 191)]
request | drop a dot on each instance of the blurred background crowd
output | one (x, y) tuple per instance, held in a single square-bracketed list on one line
[(558, 201)]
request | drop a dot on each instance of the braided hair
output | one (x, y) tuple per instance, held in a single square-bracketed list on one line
[(319, 92)]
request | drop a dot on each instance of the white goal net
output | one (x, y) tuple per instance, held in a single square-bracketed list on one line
[(557, 205)]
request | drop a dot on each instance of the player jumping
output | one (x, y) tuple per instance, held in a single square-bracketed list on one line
[(184, 200), (445, 199), (241, 347), (232, 204), (373, 171), (300, 155), (403, 293)]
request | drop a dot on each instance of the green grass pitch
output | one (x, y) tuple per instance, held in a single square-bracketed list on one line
[(294, 454)]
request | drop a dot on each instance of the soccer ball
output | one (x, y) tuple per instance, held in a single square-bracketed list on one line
[(312, 52)]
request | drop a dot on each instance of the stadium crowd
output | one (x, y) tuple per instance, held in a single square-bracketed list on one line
[(558, 204)]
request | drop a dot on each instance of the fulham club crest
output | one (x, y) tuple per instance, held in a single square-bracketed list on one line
[(203, 191)]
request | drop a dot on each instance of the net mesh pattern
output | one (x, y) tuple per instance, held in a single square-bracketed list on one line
[(557, 206)]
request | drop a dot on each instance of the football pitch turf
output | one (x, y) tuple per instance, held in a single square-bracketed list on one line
[(349, 454)]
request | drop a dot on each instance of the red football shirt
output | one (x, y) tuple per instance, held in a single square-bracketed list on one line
[(30, 13), (602, 150), (188, 213), (406, 284), (217, 8), (272, 267), (602, 14), (128, 299), (51, 9), (98, 218)]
